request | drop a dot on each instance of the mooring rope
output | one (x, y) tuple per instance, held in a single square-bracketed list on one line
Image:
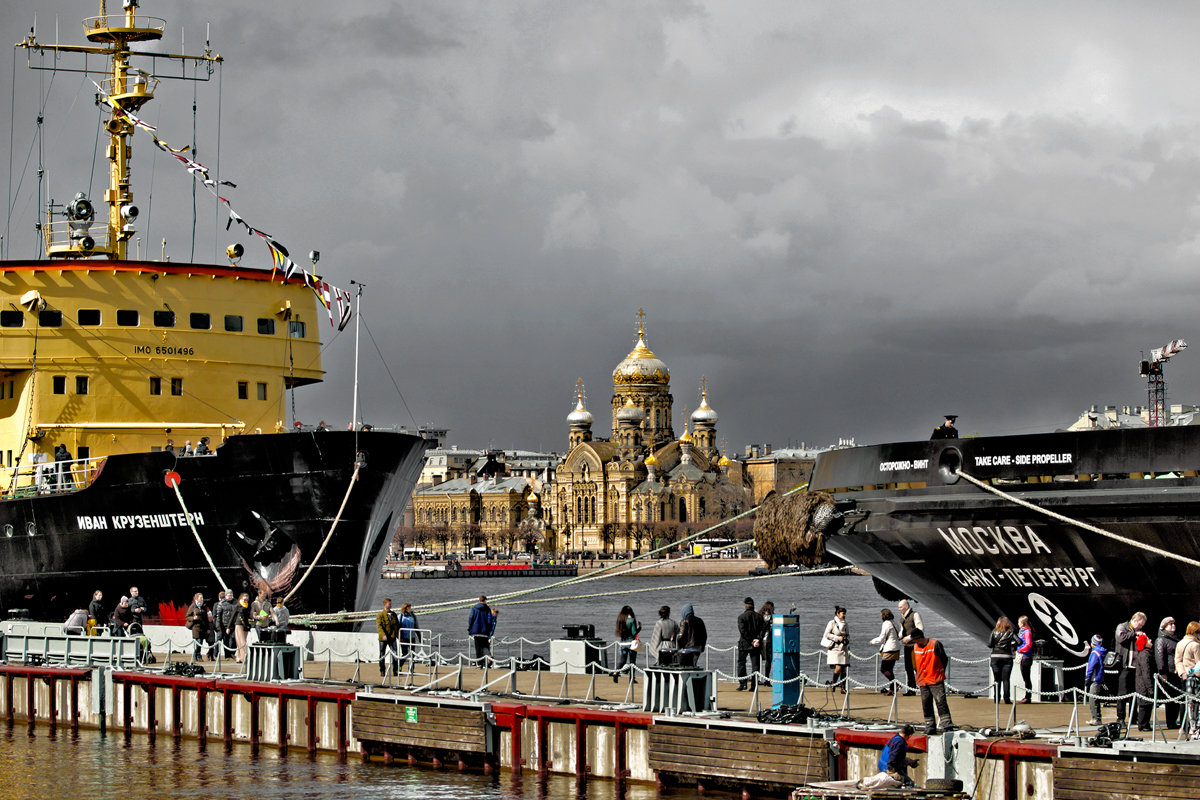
[(188, 516), (1077, 523), (328, 536)]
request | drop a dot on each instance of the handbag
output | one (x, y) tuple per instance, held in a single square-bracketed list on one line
[(826, 643), (635, 645), (1110, 659)]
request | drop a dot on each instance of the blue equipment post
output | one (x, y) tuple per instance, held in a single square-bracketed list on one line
[(785, 659)]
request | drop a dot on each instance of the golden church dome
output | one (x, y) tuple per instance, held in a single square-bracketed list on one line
[(723, 461), (641, 365), (651, 461)]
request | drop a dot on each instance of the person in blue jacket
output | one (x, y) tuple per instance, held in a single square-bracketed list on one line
[(480, 627), (1093, 676)]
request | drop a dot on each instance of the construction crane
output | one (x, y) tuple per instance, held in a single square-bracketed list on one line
[(1152, 370)]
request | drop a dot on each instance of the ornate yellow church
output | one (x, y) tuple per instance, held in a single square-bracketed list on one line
[(642, 487)]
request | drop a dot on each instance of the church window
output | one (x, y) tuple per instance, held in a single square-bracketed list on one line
[(700, 508), (682, 510), (594, 509), (662, 512)]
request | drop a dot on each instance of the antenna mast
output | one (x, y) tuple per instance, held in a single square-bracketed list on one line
[(127, 89)]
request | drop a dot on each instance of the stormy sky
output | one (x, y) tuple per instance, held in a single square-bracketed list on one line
[(851, 217)]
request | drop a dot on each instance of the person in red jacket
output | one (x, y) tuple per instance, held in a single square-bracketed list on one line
[(929, 664)]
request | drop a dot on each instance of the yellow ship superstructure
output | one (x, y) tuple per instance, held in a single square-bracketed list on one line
[(114, 357)]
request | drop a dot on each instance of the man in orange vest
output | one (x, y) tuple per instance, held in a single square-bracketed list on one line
[(929, 664)]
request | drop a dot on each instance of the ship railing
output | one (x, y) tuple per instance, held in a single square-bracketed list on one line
[(141, 22), (49, 477), (83, 237)]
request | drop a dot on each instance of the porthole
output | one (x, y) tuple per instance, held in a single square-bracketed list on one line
[(8, 531)]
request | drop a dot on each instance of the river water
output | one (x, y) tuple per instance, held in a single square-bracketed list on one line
[(717, 600), (40, 765)]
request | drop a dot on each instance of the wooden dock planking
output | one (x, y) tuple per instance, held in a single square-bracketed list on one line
[(436, 727), (1106, 778), (743, 756)]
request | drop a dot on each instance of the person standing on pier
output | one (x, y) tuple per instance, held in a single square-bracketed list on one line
[(662, 638), (768, 647), (627, 637), (409, 633), (481, 625), (137, 605), (1143, 680), (1124, 644), (1093, 676), (1187, 656), (693, 637), (1025, 656), (1164, 661), (241, 626), (260, 613), (910, 620), (388, 626), (223, 620), (199, 620), (929, 662), (836, 642), (95, 613), (750, 632), (889, 649), (1003, 642)]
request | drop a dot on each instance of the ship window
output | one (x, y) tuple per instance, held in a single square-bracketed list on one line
[(50, 318), (233, 322), (60, 384), (89, 316), (12, 319), (296, 329), (266, 326), (1, 390), (200, 322), (243, 390), (156, 385), (164, 319), (177, 387), (262, 391), (81, 384), (128, 317)]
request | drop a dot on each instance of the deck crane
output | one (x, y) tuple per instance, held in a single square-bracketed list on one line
[(1152, 370)]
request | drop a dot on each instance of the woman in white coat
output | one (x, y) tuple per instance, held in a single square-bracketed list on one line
[(836, 642), (889, 649)]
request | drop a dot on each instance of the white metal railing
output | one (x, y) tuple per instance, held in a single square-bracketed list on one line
[(48, 477)]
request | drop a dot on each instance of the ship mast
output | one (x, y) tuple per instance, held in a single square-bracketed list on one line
[(128, 89)]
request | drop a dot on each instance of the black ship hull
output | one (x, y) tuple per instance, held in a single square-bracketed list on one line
[(261, 504), (973, 556)]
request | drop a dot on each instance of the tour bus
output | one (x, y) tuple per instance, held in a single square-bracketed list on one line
[(479, 552), (415, 554)]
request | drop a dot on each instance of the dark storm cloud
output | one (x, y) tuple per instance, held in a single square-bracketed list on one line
[(850, 219)]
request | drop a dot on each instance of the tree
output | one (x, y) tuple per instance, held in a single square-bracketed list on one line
[(441, 535), (507, 537)]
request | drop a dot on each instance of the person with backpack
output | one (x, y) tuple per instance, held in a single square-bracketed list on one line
[(626, 631), (929, 664), (1093, 676), (750, 632)]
